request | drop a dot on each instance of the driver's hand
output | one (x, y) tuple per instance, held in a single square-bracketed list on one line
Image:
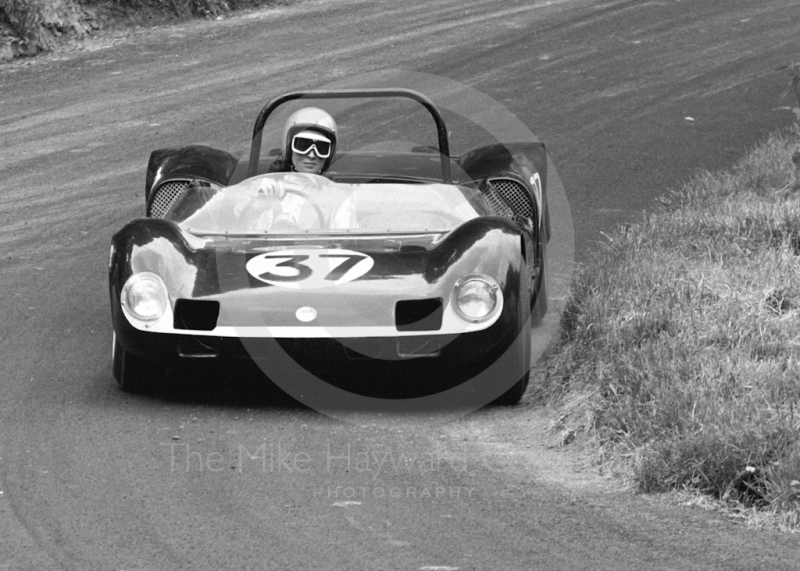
[(273, 189), (260, 197)]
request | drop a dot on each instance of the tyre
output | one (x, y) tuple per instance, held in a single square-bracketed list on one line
[(132, 373), (539, 307), (522, 358), (513, 395)]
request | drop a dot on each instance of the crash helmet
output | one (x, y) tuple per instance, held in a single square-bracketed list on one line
[(309, 119)]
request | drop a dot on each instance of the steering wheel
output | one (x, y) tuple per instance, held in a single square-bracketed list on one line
[(312, 202)]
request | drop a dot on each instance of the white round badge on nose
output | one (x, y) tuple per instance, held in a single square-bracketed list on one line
[(306, 314)]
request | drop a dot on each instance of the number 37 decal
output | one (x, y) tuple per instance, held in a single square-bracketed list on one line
[(309, 268)]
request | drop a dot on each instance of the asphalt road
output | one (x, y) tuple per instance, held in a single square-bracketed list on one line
[(234, 477)]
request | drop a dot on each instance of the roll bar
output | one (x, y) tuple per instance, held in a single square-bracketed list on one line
[(444, 144)]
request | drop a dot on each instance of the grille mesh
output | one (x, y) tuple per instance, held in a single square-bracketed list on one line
[(166, 195), (513, 195)]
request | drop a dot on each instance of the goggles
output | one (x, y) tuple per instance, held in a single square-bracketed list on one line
[(304, 143)]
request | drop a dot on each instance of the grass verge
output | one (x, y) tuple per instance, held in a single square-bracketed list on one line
[(680, 350), (30, 27)]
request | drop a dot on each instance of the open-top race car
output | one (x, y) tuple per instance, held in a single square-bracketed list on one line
[(432, 280)]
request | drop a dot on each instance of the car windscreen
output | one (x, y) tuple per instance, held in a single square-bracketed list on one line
[(290, 203)]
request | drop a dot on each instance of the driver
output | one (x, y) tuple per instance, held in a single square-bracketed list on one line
[(309, 142), (309, 137)]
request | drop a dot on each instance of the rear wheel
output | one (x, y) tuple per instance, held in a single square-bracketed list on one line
[(133, 374)]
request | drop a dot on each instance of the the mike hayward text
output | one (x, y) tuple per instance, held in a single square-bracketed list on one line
[(277, 457)]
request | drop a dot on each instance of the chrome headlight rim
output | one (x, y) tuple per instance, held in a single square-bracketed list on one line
[(161, 298), (491, 286)]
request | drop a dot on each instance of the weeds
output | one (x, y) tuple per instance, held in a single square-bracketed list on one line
[(685, 335), (21, 17)]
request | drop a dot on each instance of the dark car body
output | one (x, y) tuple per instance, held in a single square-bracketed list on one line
[(374, 308)]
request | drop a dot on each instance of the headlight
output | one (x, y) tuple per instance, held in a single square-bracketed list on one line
[(144, 296), (476, 298)]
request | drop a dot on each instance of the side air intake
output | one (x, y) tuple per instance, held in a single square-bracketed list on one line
[(509, 198), (165, 195)]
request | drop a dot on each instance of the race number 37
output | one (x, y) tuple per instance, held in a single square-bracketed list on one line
[(309, 268)]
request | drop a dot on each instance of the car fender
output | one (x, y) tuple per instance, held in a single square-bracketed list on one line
[(161, 247), (185, 164), (525, 163)]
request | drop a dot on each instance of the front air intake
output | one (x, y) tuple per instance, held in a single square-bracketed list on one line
[(196, 314), (165, 196), (419, 314)]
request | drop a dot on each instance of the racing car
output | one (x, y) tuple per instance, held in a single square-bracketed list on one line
[(434, 285)]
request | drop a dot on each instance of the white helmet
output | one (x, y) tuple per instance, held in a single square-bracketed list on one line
[(311, 119)]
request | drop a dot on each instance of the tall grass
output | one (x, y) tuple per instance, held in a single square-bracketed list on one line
[(681, 343), (20, 17)]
